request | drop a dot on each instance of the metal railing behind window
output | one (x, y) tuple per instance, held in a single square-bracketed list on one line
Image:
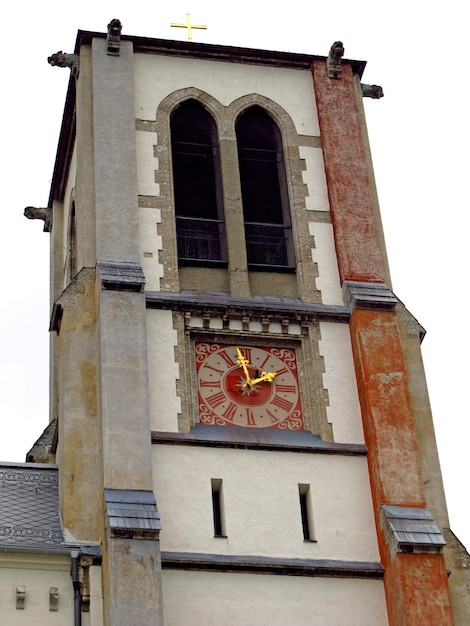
[(268, 244), (199, 239)]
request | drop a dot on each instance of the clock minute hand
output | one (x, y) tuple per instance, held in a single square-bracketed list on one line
[(242, 362)]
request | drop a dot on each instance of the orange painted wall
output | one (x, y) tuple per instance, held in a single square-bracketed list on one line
[(416, 585), (386, 409)]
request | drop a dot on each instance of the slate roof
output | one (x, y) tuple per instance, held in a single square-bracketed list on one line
[(413, 529), (29, 507)]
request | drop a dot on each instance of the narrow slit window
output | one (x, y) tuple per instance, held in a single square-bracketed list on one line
[(217, 508), (306, 512)]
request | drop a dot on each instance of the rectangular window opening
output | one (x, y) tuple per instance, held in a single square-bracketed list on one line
[(218, 508), (306, 512)]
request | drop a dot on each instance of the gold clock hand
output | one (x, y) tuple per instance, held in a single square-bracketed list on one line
[(242, 362), (265, 377)]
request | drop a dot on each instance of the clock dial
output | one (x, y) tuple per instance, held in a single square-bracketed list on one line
[(248, 386)]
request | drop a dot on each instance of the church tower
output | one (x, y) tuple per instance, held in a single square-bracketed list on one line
[(242, 420)]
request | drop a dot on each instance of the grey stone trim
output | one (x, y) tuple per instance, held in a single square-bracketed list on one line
[(309, 141), (121, 275), (411, 529), (413, 327), (328, 568), (272, 308), (367, 295), (45, 446), (257, 439), (68, 298), (148, 202), (146, 126), (323, 217), (229, 54), (132, 514)]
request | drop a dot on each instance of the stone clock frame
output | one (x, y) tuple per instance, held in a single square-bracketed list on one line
[(257, 330)]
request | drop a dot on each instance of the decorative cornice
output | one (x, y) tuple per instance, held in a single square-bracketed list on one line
[(257, 439), (222, 304), (266, 565), (28, 477), (51, 535)]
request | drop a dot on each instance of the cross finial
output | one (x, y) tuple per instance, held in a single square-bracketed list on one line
[(189, 26)]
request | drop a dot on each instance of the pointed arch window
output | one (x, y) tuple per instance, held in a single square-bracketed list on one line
[(268, 231), (200, 228)]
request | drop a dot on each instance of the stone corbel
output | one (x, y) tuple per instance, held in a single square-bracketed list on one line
[(20, 597), (62, 59), (113, 39), (53, 599), (333, 62), (36, 213), (372, 91), (89, 556)]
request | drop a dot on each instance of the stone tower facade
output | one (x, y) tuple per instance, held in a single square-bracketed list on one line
[(243, 425)]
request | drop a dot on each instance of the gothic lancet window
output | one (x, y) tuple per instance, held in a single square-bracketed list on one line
[(200, 228), (264, 191)]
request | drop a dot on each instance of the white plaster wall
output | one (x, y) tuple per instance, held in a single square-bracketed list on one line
[(212, 599), (344, 411), (315, 178), (150, 245), (163, 372), (323, 252), (149, 218), (37, 574), (157, 76), (261, 503)]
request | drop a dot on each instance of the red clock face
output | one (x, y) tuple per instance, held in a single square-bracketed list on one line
[(248, 386)]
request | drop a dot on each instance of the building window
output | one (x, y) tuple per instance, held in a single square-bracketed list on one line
[(306, 513), (265, 200), (218, 508), (200, 228), (71, 262)]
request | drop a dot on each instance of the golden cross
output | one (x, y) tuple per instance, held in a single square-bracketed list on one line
[(188, 26)]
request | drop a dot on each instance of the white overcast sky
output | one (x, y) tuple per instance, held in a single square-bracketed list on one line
[(420, 137)]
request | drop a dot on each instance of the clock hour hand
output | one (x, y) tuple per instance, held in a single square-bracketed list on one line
[(243, 363), (265, 377)]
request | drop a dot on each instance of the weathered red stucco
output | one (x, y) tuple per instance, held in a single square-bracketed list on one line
[(416, 585), (349, 190)]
